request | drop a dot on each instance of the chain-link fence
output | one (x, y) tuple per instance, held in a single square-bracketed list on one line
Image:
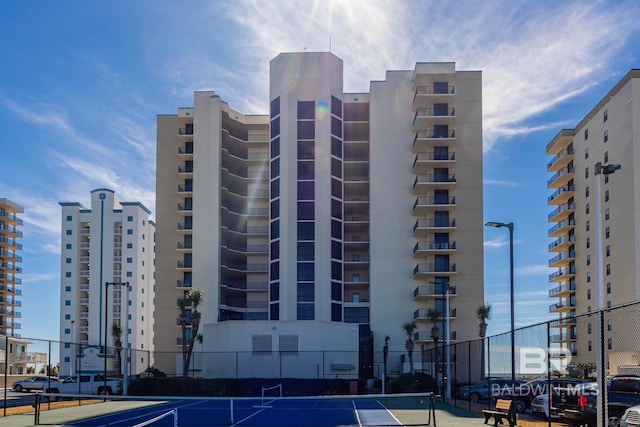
[(566, 347)]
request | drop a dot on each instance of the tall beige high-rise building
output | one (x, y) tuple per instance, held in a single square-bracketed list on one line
[(607, 135), (317, 230), (10, 267)]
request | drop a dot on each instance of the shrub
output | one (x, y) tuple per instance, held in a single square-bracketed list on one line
[(413, 383)]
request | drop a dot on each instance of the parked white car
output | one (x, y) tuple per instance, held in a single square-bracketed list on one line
[(540, 406), (87, 384), (37, 382)]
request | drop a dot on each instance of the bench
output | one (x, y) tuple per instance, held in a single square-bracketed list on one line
[(504, 410)]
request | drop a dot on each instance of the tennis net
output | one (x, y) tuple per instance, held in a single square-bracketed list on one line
[(270, 409)]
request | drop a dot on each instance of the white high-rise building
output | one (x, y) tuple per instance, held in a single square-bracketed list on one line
[(110, 243), (319, 229)]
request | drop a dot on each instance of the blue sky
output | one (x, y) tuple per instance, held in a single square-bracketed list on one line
[(81, 84)]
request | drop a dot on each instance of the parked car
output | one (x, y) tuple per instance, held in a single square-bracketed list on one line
[(631, 417), (524, 394), (481, 391), (37, 382), (540, 406), (86, 384)]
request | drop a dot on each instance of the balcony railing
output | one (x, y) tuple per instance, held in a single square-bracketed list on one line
[(561, 208), (434, 268), (435, 90), (559, 191)]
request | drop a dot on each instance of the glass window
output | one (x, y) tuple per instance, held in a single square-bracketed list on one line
[(356, 314), (607, 250), (605, 115), (606, 196), (336, 208), (68, 246), (336, 291), (130, 246), (608, 269), (588, 261), (129, 218), (336, 270), (68, 232), (586, 209), (305, 311), (67, 288), (336, 312), (69, 218), (586, 134), (275, 107), (336, 106), (305, 292), (67, 274), (306, 149), (306, 251), (586, 153), (274, 291), (306, 230), (275, 147), (586, 172), (275, 229), (275, 168), (130, 231), (336, 188), (336, 249), (275, 208), (275, 188), (606, 214), (306, 271), (275, 127), (306, 190), (306, 129), (336, 167), (606, 156), (588, 240), (306, 210), (336, 229), (587, 225), (605, 136), (606, 233), (306, 169), (586, 191), (336, 127), (274, 271), (68, 260), (306, 109), (274, 311), (275, 250), (67, 302), (336, 147)]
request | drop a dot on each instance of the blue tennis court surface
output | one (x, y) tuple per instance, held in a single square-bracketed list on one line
[(246, 413)]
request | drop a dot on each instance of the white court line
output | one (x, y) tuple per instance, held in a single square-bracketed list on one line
[(355, 409), (252, 415)]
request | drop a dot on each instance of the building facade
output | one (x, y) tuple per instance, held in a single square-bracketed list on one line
[(317, 230), (607, 135), (10, 269), (103, 249)]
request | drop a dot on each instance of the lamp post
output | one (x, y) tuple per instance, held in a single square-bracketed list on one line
[(601, 398), (106, 328), (447, 393), (435, 334), (509, 226), (73, 350)]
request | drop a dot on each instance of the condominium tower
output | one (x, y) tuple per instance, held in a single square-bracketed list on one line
[(9, 267), (317, 230), (608, 135), (103, 249)]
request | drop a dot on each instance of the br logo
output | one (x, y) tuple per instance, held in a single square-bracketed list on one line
[(537, 360)]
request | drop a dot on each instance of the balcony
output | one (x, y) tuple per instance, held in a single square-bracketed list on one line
[(561, 228), (184, 226), (423, 162), (562, 244), (185, 131), (561, 178), (423, 227), (186, 151), (560, 307), (562, 259), (561, 195), (422, 271), (562, 275), (423, 314), (183, 284), (183, 265), (423, 183), (560, 160), (432, 291), (563, 337), (185, 207), (424, 249), (257, 249), (427, 95), (563, 290), (184, 246), (424, 205), (425, 139), (564, 322), (184, 188), (560, 142), (425, 117), (187, 170), (561, 212)]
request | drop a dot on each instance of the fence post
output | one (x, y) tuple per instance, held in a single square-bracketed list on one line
[(6, 367)]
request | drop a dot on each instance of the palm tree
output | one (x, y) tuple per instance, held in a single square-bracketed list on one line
[(186, 305), (484, 313), (410, 328), (116, 333), (586, 368), (434, 315)]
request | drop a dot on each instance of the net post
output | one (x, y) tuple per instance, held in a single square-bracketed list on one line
[(175, 417)]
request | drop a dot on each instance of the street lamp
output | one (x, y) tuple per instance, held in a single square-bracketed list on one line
[(513, 336), (106, 320), (447, 291), (602, 420), (435, 334), (73, 350)]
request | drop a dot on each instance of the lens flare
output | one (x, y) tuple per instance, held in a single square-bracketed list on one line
[(322, 110)]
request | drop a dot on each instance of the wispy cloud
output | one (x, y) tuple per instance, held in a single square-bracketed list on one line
[(496, 243), (533, 270), (499, 183)]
